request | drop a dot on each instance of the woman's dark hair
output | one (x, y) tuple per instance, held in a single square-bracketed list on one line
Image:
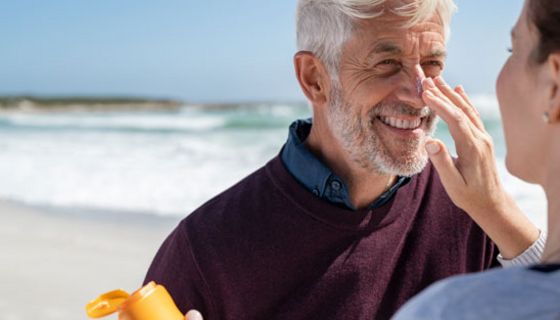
[(545, 16)]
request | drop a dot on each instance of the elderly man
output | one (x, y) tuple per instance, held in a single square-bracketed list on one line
[(350, 219)]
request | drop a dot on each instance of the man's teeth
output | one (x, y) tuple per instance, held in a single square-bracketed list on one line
[(401, 124)]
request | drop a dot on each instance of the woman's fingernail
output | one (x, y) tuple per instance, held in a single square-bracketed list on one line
[(430, 83), (439, 80), (432, 147)]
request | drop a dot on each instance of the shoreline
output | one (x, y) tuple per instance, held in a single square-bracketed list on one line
[(62, 104), (54, 262), (85, 103)]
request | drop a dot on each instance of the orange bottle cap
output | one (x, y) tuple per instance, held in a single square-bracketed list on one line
[(106, 303)]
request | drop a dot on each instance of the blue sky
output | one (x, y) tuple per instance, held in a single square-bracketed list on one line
[(199, 51)]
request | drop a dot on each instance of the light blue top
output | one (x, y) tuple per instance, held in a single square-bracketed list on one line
[(511, 293)]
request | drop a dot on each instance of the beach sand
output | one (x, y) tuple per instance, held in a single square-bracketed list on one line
[(53, 263)]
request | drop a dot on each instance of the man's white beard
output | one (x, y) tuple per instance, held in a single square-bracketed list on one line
[(357, 137)]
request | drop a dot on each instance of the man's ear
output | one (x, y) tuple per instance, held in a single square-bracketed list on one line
[(312, 77), (554, 101)]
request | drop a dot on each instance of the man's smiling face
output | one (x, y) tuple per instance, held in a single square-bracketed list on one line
[(375, 110)]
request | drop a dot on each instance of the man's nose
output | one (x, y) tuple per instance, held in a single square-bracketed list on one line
[(410, 88)]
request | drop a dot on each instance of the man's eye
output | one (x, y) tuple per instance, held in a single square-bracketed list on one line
[(433, 68), (388, 67), (433, 63), (390, 62), (509, 49)]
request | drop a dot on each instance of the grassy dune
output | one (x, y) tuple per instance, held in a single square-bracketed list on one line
[(34, 103)]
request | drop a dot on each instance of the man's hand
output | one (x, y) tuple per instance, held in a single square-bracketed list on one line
[(472, 180), (193, 315)]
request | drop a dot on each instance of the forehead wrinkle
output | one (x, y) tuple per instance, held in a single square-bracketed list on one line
[(392, 37), (421, 42), (432, 47)]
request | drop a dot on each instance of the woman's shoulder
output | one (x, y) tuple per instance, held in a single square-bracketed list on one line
[(512, 293)]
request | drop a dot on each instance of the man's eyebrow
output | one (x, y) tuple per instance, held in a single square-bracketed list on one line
[(386, 47), (389, 47), (438, 53)]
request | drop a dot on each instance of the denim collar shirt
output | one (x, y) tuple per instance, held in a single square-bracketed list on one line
[(316, 177)]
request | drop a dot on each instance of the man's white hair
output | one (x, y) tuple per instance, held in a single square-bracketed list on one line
[(323, 26)]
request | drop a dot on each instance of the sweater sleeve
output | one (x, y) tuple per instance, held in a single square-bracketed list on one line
[(530, 256), (175, 267)]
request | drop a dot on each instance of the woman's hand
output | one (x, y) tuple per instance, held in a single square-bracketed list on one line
[(193, 315), (472, 180)]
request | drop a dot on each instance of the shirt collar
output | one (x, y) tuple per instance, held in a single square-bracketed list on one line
[(316, 176)]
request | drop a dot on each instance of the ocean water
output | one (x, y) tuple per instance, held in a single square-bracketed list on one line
[(166, 163)]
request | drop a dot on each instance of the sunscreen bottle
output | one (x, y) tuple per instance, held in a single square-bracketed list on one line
[(151, 302)]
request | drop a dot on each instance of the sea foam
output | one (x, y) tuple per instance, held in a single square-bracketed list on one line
[(165, 163)]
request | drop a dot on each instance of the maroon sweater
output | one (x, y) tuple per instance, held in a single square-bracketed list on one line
[(269, 249)]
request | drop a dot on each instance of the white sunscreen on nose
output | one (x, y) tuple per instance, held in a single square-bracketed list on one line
[(419, 86)]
